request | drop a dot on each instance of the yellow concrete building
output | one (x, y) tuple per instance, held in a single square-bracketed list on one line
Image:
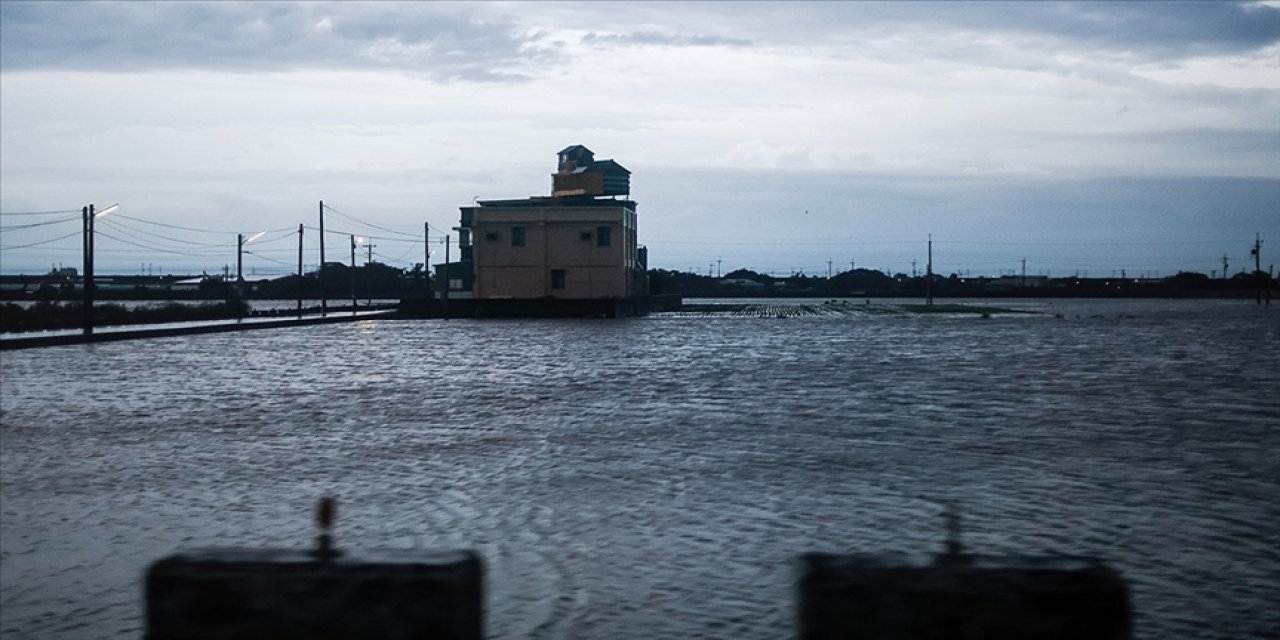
[(577, 244), (544, 249)]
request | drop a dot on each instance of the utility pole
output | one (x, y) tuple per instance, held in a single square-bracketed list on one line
[(444, 293), (828, 268), (239, 257), (913, 268), (1257, 266), (369, 292), (301, 281), (1024, 271), (89, 215), (928, 286), (353, 274), (87, 304), (324, 296), (1224, 266), (718, 272)]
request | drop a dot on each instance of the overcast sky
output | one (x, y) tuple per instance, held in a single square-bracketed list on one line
[(1090, 137)]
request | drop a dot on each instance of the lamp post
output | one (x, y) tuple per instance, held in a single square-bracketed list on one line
[(89, 216), (241, 241)]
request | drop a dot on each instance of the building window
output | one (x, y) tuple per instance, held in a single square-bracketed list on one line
[(604, 236), (517, 236), (557, 278), (491, 236), (585, 235)]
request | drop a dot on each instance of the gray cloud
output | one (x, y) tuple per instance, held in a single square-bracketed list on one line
[(493, 42), (440, 41), (1145, 29), (663, 39)]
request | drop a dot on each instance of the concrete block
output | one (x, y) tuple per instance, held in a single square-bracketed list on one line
[(270, 593), (881, 597)]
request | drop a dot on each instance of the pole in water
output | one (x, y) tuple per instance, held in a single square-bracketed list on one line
[(1257, 264), (325, 513), (444, 295), (301, 280), (369, 292), (87, 303), (928, 284), (324, 296)]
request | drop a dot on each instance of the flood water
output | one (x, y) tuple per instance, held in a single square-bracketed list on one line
[(655, 477)]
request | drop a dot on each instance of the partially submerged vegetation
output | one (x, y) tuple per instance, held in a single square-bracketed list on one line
[(832, 308), (958, 308), (44, 316)]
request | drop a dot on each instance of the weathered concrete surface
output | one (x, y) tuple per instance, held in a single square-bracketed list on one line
[(881, 597), (137, 332), (386, 594)]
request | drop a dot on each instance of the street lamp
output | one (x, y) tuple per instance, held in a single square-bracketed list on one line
[(241, 241), (89, 216)]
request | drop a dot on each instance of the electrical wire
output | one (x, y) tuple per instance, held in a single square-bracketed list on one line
[(37, 213), (116, 223), (169, 226), (367, 224), (288, 233), (42, 242), (15, 227), (411, 250), (254, 253), (158, 249)]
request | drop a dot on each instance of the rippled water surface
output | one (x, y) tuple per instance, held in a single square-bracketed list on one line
[(654, 477)]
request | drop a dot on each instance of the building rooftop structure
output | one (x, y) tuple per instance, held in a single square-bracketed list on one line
[(579, 243)]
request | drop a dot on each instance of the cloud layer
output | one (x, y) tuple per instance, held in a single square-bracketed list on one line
[(887, 120)]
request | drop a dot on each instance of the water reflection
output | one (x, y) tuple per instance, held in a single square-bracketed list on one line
[(654, 477)]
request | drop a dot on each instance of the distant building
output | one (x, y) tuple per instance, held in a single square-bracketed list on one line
[(577, 244), (1011, 283)]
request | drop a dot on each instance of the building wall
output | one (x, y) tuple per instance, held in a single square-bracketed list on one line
[(556, 239)]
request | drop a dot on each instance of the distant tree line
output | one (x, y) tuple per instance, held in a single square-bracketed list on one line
[(871, 283), (380, 281), (334, 280)]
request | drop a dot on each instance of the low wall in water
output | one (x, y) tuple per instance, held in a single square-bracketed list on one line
[(537, 307), (226, 594), (237, 594)]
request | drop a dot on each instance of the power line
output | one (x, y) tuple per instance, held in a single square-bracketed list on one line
[(36, 244), (368, 224), (37, 213), (110, 222), (413, 249), (141, 246), (15, 227), (281, 262), (170, 226)]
